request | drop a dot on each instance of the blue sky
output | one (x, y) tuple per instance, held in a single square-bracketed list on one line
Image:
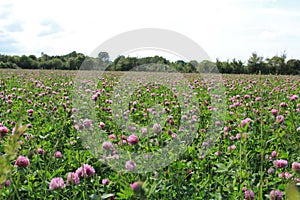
[(225, 29)]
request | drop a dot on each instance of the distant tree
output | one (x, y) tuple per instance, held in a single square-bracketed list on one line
[(237, 66), (194, 63), (56, 63), (277, 64), (224, 67), (73, 54), (255, 64), (27, 62), (103, 60), (33, 57), (74, 60), (79, 60), (179, 65), (15, 60), (44, 57), (293, 66), (89, 63), (71, 63), (207, 66)]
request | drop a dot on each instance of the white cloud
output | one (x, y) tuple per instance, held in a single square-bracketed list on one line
[(50, 27)]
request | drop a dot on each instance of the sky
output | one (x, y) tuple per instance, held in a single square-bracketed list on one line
[(225, 29)]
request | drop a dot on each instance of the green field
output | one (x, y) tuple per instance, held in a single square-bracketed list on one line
[(227, 136)]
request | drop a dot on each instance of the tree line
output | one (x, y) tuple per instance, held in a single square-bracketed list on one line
[(75, 61)]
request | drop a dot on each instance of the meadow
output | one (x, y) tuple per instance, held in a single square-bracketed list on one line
[(122, 136)]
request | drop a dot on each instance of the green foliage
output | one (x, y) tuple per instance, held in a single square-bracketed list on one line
[(73, 61)]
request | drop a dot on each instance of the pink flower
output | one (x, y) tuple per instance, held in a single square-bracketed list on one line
[(246, 121), (137, 186), (227, 128), (249, 195), (231, 137), (57, 183), (73, 178), (3, 131), (283, 104), (40, 151), (157, 128), (275, 195), (112, 136), (30, 111), (105, 181), (101, 125), (271, 171), (233, 147), (132, 139), (298, 129), (287, 175), (297, 180), (144, 130), (130, 165), (281, 175), (87, 123), (94, 97), (296, 166), (107, 145), (85, 170), (279, 119), (274, 154), (246, 96), (22, 162), (6, 184), (217, 123), (58, 154), (294, 97), (274, 111), (280, 163)]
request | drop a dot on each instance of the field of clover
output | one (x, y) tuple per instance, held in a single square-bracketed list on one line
[(53, 147)]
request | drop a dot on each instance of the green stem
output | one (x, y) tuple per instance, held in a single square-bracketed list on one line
[(14, 186)]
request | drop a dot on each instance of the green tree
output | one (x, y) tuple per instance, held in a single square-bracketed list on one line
[(27, 63), (103, 60), (255, 64), (277, 64), (237, 66), (79, 60), (293, 66)]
